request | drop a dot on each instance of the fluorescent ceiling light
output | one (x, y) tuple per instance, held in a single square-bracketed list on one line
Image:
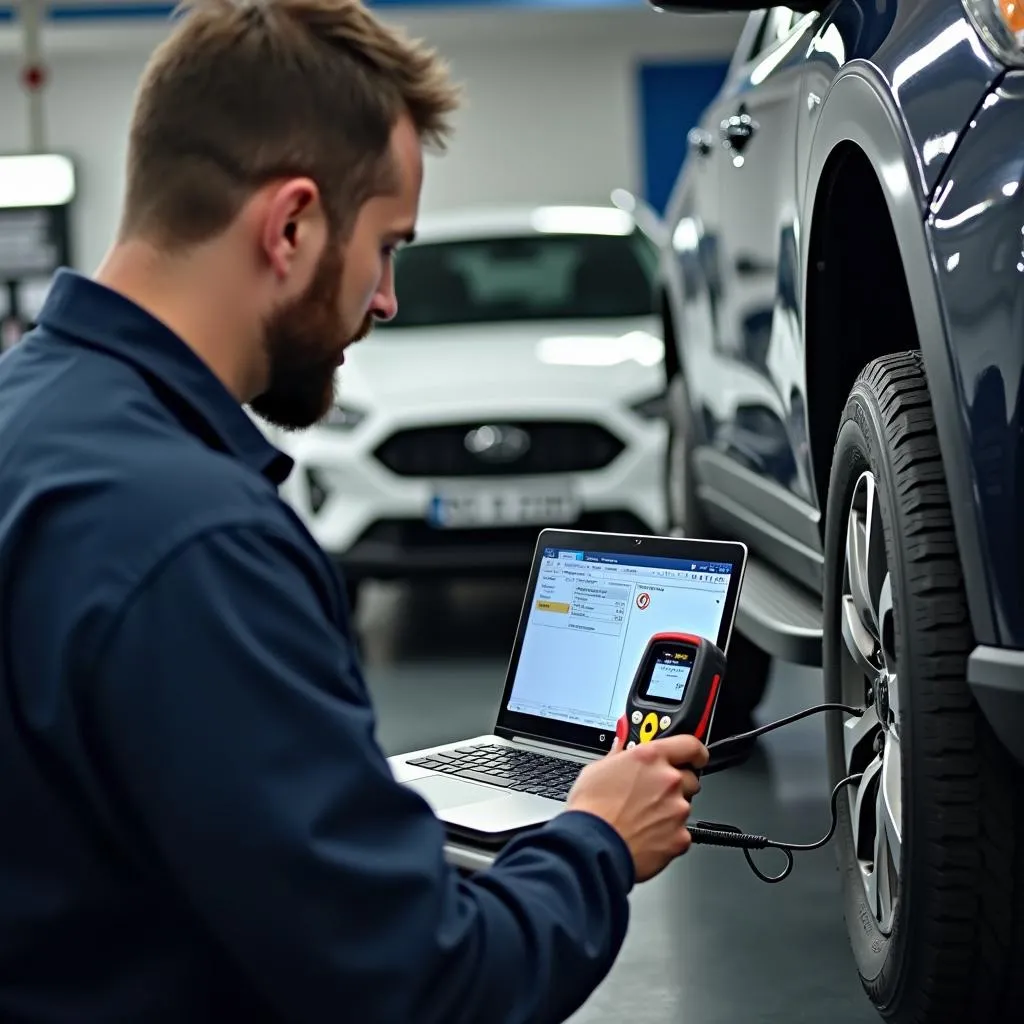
[(45, 179)]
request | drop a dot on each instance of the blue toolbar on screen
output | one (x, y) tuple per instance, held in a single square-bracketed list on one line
[(651, 561)]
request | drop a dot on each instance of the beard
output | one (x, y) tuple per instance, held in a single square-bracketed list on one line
[(304, 341)]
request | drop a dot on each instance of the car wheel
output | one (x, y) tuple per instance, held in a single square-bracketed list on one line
[(749, 666), (930, 841)]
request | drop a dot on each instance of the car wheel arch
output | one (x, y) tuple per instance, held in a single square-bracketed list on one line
[(860, 111)]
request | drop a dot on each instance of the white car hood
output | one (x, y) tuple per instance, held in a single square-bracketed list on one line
[(542, 361)]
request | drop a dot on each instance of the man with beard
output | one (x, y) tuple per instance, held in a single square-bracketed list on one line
[(197, 823)]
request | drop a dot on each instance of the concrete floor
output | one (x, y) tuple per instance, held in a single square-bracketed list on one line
[(709, 943)]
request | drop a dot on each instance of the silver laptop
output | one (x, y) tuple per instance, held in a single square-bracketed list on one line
[(592, 602)]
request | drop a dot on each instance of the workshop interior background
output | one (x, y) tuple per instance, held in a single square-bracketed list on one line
[(567, 102), (555, 98)]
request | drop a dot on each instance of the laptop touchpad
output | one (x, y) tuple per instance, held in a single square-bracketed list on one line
[(442, 791)]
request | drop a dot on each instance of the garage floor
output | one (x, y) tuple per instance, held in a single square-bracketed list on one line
[(708, 942)]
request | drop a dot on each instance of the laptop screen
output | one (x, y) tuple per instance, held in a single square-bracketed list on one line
[(589, 618)]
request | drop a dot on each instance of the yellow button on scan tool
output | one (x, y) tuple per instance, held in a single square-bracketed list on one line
[(649, 729)]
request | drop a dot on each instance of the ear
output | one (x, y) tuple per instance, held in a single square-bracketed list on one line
[(293, 230)]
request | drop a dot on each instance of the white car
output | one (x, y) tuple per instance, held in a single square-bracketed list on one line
[(521, 385)]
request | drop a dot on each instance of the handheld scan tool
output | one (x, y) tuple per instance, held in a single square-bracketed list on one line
[(675, 689)]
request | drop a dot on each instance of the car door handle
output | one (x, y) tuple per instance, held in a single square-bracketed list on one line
[(700, 141), (738, 130)]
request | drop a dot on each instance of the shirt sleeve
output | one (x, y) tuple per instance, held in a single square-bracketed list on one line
[(240, 736)]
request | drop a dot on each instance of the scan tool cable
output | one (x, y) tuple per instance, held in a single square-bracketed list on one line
[(675, 691), (710, 833)]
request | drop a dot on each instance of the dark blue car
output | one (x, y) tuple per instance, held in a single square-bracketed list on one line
[(842, 286)]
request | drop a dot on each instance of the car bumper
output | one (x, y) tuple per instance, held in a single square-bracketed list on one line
[(996, 677), (382, 523)]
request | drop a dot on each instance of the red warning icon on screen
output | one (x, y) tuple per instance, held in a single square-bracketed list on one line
[(643, 599)]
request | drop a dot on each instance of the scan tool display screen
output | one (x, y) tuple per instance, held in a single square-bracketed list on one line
[(668, 673)]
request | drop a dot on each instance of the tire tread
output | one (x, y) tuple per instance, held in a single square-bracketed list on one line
[(973, 843)]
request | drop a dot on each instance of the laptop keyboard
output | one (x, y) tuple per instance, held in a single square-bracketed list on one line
[(506, 767)]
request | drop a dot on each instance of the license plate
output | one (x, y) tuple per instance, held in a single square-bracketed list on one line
[(506, 506)]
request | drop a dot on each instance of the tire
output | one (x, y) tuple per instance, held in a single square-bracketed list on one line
[(942, 935), (749, 666)]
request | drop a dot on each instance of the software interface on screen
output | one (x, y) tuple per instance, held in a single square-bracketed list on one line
[(590, 619)]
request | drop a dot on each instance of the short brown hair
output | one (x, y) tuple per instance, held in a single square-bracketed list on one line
[(244, 92)]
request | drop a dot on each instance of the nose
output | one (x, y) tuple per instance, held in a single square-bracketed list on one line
[(385, 302)]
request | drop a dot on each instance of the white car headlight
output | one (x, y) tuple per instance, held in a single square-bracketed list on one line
[(343, 417), (1001, 25)]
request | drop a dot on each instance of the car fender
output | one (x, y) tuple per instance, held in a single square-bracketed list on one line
[(860, 108)]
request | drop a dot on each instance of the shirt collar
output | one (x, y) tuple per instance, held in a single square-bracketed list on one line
[(89, 312)]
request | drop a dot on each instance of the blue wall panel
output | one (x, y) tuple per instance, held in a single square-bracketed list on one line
[(672, 99)]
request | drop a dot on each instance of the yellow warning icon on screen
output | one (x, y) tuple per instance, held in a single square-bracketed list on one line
[(649, 728)]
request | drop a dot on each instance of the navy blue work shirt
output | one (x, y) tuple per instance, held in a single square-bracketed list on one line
[(196, 822)]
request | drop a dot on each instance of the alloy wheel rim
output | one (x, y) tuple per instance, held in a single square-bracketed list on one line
[(871, 743)]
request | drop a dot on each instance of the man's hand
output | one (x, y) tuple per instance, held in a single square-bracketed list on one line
[(644, 794)]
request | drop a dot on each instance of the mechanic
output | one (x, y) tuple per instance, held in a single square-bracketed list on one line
[(198, 823)]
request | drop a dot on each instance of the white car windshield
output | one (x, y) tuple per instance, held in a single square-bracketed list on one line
[(531, 277)]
